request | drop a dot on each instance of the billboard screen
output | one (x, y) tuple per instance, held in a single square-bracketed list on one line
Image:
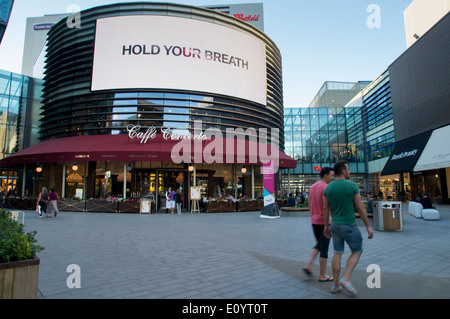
[(134, 52)]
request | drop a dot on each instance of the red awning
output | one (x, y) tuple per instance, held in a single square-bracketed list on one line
[(122, 148)]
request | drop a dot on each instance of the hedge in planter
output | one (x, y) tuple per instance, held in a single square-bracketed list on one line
[(19, 266), (71, 205), (223, 206)]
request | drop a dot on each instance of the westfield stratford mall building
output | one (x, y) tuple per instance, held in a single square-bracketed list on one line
[(140, 97)]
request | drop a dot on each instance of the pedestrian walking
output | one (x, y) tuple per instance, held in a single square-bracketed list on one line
[(341, 196), (317, 221), (43, 201), (178, 201), (370, 204), (53, 202)]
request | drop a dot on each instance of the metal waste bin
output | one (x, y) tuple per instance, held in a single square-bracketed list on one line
[(387, 216)]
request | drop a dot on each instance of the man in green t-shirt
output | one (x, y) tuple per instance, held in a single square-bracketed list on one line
[(341, 196)]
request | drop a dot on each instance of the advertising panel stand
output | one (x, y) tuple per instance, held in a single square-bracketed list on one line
[(270, 209), (146, 206)]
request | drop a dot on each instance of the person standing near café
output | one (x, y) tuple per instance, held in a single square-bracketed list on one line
[(172, 201), (341, 196), (178, 201), (169, 190), (316, 209)]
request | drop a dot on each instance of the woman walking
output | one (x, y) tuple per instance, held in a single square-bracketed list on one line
[(53, 202), (42, 201)]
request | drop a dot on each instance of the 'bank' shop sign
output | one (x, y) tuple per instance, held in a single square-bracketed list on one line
[(133, 52)]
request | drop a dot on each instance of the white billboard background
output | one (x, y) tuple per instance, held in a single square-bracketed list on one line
[(120, 63)]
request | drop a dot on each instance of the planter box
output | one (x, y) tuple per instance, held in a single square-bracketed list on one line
[(19, 279), (220, 207), (129, 207), (101, 206), (71, 205), (249, 206)]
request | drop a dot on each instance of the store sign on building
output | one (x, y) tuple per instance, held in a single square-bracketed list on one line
[(221, 149), (42, 26), (240, 16)]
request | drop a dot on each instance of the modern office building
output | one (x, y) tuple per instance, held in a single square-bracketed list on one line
[(19, 120), (5, 12), (36, 31), (330, 129), (35, 43), (116, 102), (421, 15), (420, 89), (405, 121), (318, 137), (337, 94), (379, 135), (252, 13)]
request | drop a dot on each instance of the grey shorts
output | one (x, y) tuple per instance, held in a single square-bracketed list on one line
[(350, 234)]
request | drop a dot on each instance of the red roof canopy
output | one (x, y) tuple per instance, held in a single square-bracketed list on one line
[(125, 149)]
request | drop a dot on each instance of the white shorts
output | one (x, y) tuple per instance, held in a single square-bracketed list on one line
[(170, 204)]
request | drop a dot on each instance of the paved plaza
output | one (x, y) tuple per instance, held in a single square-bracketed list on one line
[(227, 256)]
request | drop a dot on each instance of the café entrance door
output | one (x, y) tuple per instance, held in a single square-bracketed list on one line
[(175, 179)]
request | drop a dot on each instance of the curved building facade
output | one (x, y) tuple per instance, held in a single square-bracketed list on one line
[(72, 107), (125, 84)]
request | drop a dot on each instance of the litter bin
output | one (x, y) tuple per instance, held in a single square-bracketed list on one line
[(387, 216)]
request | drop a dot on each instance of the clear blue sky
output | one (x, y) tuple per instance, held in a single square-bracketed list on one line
[(319, 40)]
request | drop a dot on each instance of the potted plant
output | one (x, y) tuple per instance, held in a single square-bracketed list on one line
[(19, 265)]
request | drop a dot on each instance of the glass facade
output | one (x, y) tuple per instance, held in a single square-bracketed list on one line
[(318, 137), (13, 111), (379, 126), (337, 94), (5, 12), (111, 113)]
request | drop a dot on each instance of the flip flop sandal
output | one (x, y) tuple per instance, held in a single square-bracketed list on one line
[(309, 273)]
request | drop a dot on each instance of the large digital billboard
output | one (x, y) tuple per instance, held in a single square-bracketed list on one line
[(134, 52)]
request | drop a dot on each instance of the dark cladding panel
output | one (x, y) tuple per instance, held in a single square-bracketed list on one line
[(420, 83)]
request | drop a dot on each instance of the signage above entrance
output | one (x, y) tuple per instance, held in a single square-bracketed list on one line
[(405, 154), (134, 131)]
